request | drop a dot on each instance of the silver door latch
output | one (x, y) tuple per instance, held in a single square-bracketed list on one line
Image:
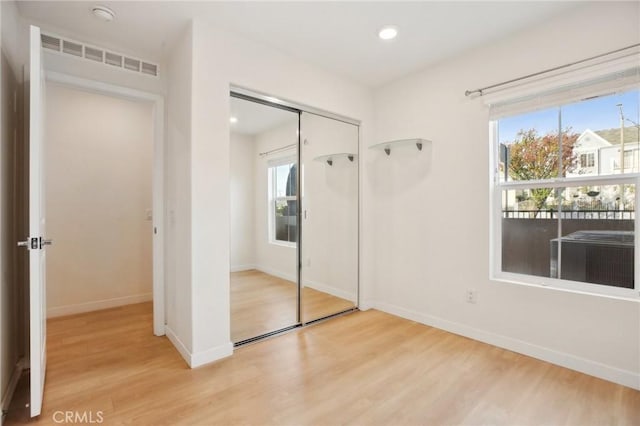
[(30, 244), (35, 243)]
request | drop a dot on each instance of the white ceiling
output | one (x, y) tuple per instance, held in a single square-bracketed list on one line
[(338, 36), (254, 118)]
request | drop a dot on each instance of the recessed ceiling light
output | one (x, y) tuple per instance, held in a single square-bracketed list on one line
[(233, 120), (388, 33), (103, 13)]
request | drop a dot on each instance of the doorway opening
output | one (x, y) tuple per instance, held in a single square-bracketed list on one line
[(99, 204), (107, 173)]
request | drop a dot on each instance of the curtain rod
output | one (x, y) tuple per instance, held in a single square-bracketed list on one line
[(282, 148), (481, 90)]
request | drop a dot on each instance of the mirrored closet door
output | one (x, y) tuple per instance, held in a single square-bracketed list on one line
[(264, 233), (329, 245), (294, 217)]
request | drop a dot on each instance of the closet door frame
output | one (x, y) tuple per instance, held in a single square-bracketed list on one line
[(269, 100)]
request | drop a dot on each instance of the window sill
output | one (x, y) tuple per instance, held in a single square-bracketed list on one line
[(574, 287), (282, 244)]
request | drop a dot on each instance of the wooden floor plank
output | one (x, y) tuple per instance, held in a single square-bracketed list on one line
[(262, 303), (367, 368)]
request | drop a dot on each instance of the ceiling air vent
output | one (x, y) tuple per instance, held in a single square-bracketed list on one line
[(96, 54), (132, 64), (149, 69), (50, 42), (93, 54), (113, 59), (72, 48)]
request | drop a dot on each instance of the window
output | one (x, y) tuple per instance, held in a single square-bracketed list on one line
[(587, 160), (283, 201), (559, 217)]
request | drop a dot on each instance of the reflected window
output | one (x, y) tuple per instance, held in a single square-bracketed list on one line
[(283, 202)]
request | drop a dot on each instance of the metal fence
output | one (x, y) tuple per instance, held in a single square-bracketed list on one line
[(570, 214)]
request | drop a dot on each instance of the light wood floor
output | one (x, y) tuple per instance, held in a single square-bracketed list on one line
[(367, 368), (261, 303)]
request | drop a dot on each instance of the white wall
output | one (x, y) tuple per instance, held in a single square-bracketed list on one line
[(98, 194), (178, 236), (330, 200), (431, 212), (329, 197), (219, 59), (274, 259), (242, 221)]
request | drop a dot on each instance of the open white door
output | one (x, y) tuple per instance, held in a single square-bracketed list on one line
[(36, 242)]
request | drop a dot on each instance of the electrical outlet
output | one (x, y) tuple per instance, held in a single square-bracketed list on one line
[(472, 296)]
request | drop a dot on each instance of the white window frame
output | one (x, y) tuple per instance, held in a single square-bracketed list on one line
[(589, 160), (272, 200), (496, 188)]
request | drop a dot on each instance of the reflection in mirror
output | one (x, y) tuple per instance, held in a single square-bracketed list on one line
[(329, 246), (263, 252)]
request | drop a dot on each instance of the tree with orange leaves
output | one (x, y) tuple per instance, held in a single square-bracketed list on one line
[(535, 157)]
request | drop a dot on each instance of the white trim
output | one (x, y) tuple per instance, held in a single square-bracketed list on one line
[(177, 343), (331, 290), (307, 283), (281, 243), (290, 104), (495, 203), (575, 287), (11, 386), (593, 368), (600, 180), (210, 355), (159, 149), (276, 273), (365, 305), (281, 160), (241, 268), (198, 359), (79, 308)]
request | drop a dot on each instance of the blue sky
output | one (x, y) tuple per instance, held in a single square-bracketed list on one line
[(595, 114)]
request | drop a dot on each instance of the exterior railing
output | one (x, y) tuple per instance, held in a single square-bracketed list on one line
[(570, 214)]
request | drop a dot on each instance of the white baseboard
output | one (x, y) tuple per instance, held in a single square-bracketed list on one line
[(210, 355), (182, 349), (586, 366), (308, 283), (7, 396), (365, 305), (330, 290), (199, 358), (58, 311), (240, 268), (276, 273)]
